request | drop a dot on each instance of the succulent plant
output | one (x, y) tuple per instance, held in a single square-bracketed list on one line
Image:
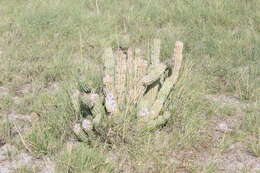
[(131, 81)]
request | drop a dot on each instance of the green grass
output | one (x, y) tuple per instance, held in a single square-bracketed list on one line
[(82, 159), (25, 170), (52, 41)]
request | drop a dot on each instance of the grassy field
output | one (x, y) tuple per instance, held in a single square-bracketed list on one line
[(46, 44)]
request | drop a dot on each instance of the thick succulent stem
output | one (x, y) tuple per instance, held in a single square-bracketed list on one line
[(120, 77), (109, 80), (155, 71), (155, 56), (79, 133), (136, 87), (148, 99), (167, 85), (86, 100), (160, 120), (88, 126), (109, 62), (98, 110)]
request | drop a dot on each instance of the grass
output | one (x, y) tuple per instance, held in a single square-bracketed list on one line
[(83, 159), (44, 43), (25, 170)]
